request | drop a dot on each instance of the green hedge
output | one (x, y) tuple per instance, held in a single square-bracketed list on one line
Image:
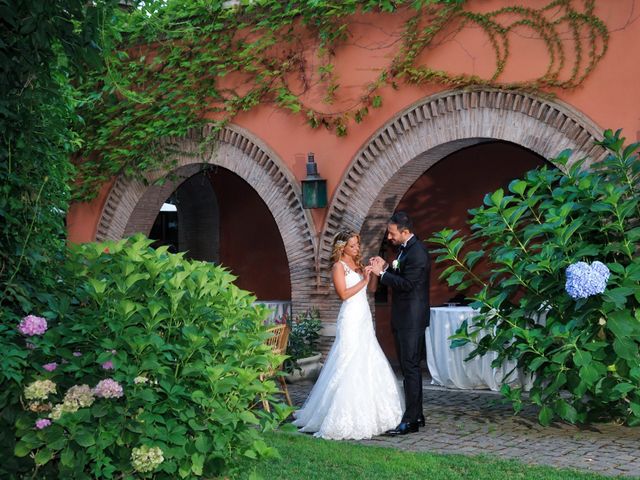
[(156, 364)]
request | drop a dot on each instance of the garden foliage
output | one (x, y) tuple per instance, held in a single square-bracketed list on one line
[(46, 50), (562, 296), (150, 364), (182, 66), (303, 337)]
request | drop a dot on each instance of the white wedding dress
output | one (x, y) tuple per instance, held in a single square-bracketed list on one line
[(357, 395)]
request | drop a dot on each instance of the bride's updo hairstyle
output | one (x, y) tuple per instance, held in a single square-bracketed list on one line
[(339, 242)]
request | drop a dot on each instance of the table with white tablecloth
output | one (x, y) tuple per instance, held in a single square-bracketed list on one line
[(447, 365), (278, 308)]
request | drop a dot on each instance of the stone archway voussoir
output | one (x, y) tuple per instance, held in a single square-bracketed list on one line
[(394, 157), (239, 151)]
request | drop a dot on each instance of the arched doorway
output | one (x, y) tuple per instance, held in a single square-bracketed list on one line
[(395, 157), (252, 173), (189, 220), (218, 217), (440, 198)]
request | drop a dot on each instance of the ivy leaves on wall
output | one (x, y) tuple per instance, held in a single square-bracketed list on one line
[(179, 64)]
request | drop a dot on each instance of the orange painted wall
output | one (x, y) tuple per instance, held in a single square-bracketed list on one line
[(609, 96)]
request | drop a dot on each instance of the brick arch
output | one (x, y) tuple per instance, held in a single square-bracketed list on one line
[(423, 134), (132, 205)]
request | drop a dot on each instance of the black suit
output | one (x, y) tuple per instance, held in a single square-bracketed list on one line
[(410, 318)]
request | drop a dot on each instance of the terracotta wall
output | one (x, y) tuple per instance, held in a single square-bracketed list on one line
[(441, 198), (605, 97)]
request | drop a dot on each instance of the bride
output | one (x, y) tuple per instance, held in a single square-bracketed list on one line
[(356, 395)]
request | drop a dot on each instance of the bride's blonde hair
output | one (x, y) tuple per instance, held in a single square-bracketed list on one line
[(340, 241)]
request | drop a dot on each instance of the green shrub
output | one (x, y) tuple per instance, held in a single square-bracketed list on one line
[(157, 366), (47, 48), (585, 355), (303, 337)]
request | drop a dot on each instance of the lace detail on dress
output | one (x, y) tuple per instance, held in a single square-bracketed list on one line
[(357, 395), (347, 269)]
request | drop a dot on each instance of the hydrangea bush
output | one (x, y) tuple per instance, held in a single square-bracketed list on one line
[(562, 294), (148, 365)]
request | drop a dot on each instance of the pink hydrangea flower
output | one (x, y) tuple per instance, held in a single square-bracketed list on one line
[(42, 423), (108, 365), (108, 388), (32, 325), (50, 367), (77, 354)]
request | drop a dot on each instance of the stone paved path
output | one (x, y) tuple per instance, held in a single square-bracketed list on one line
[(477, 422)]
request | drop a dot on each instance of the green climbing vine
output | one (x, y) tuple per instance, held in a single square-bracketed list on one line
[(179, 64)]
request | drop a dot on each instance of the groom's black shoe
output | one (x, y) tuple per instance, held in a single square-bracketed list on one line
[(421, 421), (403, 428)]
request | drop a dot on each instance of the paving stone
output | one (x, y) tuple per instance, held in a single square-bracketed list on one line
[(478, 422)]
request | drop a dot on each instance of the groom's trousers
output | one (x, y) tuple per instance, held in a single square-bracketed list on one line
[(410, 348)]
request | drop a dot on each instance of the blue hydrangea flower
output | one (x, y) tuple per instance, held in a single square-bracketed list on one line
[(602, 269), (584, 280)]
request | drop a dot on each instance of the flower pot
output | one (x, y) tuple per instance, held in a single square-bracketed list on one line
[(309, 369)]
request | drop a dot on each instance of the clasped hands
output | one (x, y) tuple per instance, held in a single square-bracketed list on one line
[(376, 266)]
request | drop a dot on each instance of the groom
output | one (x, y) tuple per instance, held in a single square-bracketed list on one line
[(408, 278)]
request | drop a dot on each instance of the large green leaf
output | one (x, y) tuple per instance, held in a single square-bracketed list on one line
[(618, 296), (43, 456), (197, 463), (581, 358), (622, 324), (84, 437), (67, 457), (22, 449), (566, 411), (589, 374), (546, 415), (627, 349)]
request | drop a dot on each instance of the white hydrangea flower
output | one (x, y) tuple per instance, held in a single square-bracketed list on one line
[(57, 412), (146, 459), (39, 390), (79, 396)]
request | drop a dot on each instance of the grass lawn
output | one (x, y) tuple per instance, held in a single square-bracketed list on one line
[(308, 458)]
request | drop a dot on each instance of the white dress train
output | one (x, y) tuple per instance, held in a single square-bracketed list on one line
[(356, 395)]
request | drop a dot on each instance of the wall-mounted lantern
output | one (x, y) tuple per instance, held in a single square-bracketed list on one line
[(314, 187)]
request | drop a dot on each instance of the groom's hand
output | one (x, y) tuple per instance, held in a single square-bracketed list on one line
[(377, 264)]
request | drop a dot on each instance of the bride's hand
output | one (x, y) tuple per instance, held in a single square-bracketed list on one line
[(367, 272)]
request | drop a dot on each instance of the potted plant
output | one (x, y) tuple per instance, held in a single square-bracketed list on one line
[(304, 359)]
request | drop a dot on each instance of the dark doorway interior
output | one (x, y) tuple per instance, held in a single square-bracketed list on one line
[(441, 198), (216, 216)]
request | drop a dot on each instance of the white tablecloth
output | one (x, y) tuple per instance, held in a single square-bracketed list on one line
[(447, 365), (278, 308)]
